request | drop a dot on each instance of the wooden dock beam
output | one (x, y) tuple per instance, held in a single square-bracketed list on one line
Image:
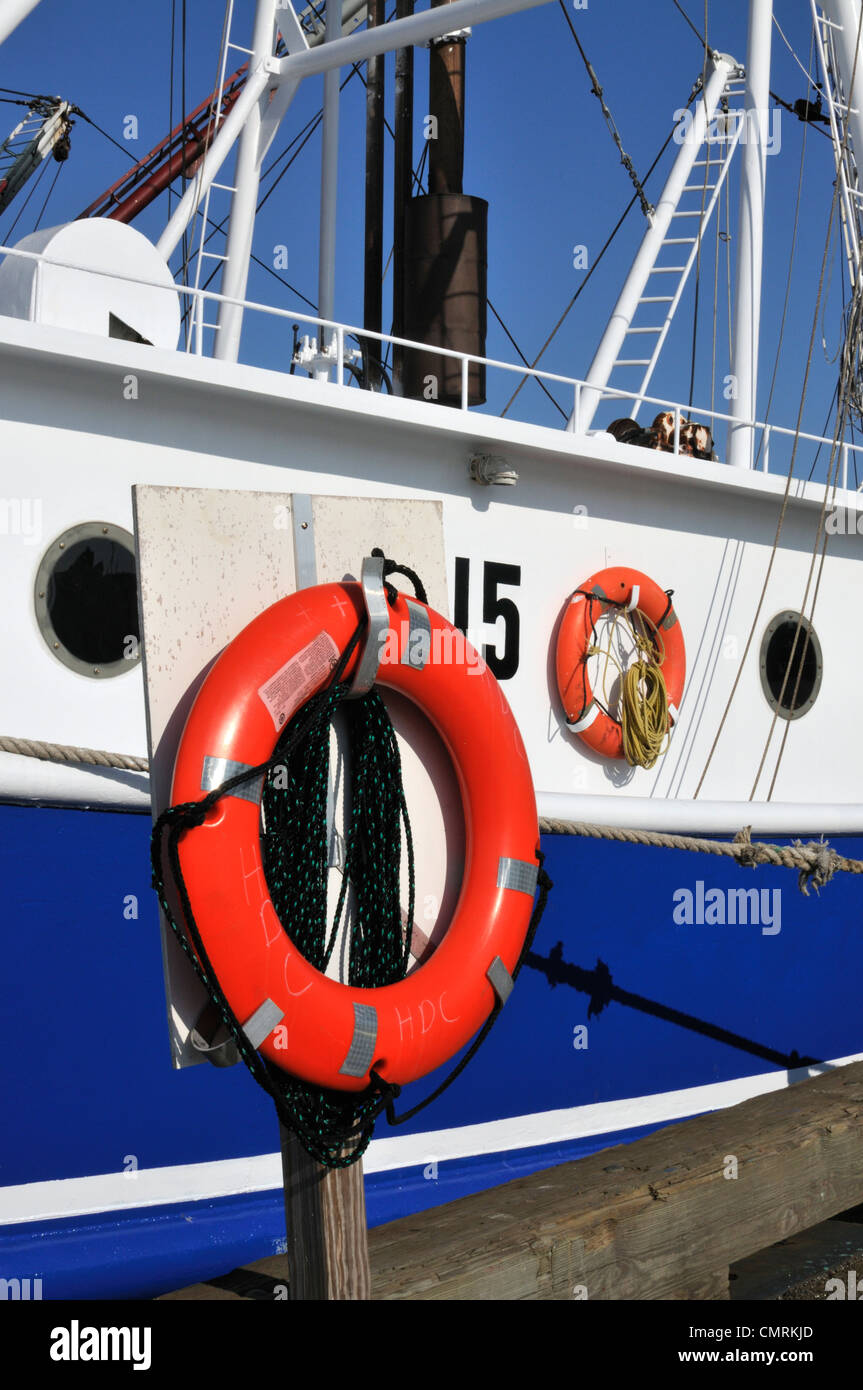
[(661, 1218)]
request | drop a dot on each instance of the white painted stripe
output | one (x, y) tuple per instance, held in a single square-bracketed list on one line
[(197, 1182)]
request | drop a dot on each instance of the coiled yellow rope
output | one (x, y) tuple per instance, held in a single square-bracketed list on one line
[(644, 718)]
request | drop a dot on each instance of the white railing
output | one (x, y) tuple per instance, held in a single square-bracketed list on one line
[(767, 432)]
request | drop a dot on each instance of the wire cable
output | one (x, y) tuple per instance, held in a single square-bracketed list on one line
[(60, 167), (701, 39), (630, 205), (646, 207)]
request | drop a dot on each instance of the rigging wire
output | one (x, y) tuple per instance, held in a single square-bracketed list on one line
[(833, 399), (39, 177), (630, 205), (808, 75), (785, 498), (780, 522), (646, 207), (539, 380), (833, 472), (60, 167), (89, 119), (701, 39)]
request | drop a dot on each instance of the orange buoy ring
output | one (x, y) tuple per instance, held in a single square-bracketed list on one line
[(325, 1032), (613, 588)]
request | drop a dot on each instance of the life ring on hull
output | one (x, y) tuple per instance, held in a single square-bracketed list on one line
[(335, 1033), (629, 589)]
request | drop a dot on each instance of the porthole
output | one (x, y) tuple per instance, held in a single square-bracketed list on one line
[(805, 671), (87, 602)]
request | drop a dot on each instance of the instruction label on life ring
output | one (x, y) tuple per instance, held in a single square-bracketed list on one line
[(298, 679)]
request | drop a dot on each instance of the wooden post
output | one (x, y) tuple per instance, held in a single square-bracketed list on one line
[(325, 1215)]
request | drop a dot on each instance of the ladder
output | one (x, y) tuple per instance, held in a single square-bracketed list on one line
[(197, 308), (667, 280)]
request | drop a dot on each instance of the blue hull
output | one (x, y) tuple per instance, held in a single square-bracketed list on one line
[(88, 1086)]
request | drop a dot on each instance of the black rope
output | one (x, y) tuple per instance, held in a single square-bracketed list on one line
[(392, 567), (545, 886)]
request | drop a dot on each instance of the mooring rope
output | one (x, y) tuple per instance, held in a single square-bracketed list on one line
[(70, 753), (816, 862)]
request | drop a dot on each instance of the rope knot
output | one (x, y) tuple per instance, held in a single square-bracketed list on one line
[(823, 864), (748, 855)]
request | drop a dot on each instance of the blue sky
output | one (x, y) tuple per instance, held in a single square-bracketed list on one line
[(538, 150)]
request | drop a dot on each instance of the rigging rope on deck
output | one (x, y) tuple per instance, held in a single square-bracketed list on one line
[(816, 862)]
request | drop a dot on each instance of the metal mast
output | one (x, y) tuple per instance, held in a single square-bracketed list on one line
[(12, 13), (246, 180), (750, 235)]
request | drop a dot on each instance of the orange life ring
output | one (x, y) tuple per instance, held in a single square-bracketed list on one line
[(332, 1034), (616, 587)]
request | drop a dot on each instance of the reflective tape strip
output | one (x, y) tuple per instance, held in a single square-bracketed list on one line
[(517, 874), (262, 1022), (218, 770), (418, 647), (576, 725), (500, 979), (673, 714), (636, 595), (362, 1049)]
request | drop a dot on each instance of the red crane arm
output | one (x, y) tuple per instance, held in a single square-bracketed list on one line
[(178, 154)]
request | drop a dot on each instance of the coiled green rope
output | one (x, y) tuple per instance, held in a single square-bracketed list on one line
[(295, 844)]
